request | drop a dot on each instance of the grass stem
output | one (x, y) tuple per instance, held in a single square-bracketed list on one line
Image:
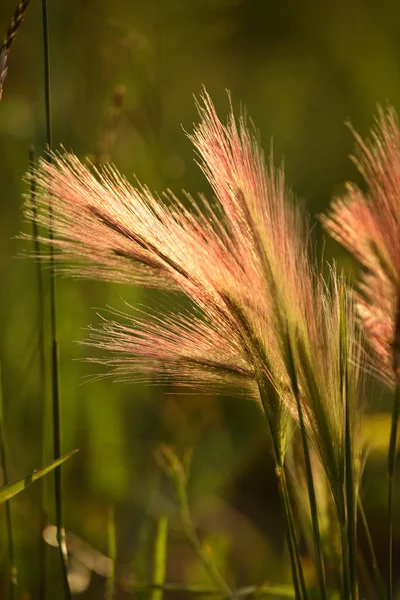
[(42, 371), (112, 552), (160, 557), (177, 472), (391, 471), (378, 578), (193, 538), (309, 477), (349, 502), (283, 490), (13, 579), (56, 405)]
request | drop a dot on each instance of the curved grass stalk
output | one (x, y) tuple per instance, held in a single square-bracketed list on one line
[(193, 538), (175, 471)]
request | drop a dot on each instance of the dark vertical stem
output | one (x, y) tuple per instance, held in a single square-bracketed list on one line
[(53, 326), (42, 368), (351, 507), (47, 95), (349, 503)]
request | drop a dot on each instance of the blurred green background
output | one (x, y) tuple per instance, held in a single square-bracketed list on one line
[(301, 69)]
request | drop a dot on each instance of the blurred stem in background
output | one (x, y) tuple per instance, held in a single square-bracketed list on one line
[(160, 556), (12, 578), (112, 552), (42, 372), (176, 472)]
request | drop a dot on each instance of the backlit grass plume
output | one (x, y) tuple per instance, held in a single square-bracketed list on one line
[(260, 316), (368, 224)]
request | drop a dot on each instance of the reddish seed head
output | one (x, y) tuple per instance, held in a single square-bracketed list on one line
[(368, 224)]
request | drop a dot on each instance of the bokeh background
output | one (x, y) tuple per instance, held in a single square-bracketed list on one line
[(301, 68)]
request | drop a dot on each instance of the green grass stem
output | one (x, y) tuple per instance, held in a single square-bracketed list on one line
[(175, 471), (160, 557), (348, 510), (193, 538), (42, 371), (309, 476), (378, 577), (56, 404), (349, 485), (112, 552), (283, 490), (13, 574), (391, 464)]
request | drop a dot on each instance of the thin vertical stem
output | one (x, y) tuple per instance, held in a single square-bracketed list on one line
[(345, 559), (349, 508), (160, 557), (56, 405), (309, 476), (391, 470), (192, 536), (176, 473), (13, 580), (47, 95), (375, 568), (294, 552), (112, 552), (42, 370)]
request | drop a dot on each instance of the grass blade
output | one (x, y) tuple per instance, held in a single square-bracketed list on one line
[(160, 556), (13, 569), (12, 489)]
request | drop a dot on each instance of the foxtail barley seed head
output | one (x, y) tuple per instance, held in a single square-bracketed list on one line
[(242, 261), (368, 225)]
